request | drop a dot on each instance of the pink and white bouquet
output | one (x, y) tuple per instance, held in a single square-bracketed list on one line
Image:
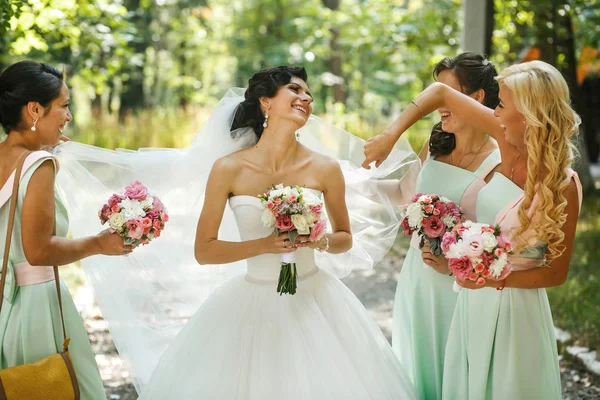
[(477, 252), (431, 216), (135, 215), (297, 212)]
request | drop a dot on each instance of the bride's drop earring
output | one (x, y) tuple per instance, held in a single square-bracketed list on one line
[(33, 128), (297, 135), (266, 119)]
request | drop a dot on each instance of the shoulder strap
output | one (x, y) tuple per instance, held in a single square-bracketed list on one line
[(488, 165), (11, 223), (30, 159)]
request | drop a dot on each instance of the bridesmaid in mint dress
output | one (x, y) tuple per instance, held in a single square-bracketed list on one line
[(424, 301), (501, 343), (33, 112)]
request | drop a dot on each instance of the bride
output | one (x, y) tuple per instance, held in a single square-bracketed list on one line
[(245, 341)]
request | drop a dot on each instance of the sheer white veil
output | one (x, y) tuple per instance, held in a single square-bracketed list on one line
[(148, 296)]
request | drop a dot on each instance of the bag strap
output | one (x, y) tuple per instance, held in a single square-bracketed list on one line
[(11, 223)]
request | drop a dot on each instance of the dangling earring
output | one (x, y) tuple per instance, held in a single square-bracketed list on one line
[(266, 119), (297, 135), (33, 128)]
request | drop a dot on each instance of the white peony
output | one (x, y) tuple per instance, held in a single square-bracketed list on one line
[(310, 199), (131, 209), (489, 241), (311, 218), (116, 220), (301, 224), (275, 193), (147, 202), (414, 214), (449, 221), (455, 250), (267, 218), (497, 266)]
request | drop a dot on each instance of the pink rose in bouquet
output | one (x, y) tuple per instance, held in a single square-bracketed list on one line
[(430, 216), (477, 252), (296, 211), (134, 214)]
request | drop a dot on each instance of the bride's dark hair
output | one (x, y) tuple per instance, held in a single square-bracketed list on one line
[(473, 72), (264, 83)]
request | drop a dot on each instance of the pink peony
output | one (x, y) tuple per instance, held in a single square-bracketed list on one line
[(460, 267), (157, 205), (135, 229), (434, 227), (488, 258), (284, 223), (406, 227), (114, 200), (164, 217), (317, 209), (105, 213), (318, 230), (448, 239), (152, 214), (441, 207), (136, 191), (473, 245)]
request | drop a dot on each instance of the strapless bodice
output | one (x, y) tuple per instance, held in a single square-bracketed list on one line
[(265, 267)]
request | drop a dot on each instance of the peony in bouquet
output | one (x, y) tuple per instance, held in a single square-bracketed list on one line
[(135, 215), (297, 212), (477, 252), (430, 216)]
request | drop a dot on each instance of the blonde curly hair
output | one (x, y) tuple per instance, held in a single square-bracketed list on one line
[(541, 95)]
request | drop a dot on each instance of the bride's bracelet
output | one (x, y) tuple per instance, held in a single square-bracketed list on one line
[(326, 245)]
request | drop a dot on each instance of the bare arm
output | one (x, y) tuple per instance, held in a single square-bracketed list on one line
[(208, 249), (554, 274), (38, 218), (435, 96), (340, 240)]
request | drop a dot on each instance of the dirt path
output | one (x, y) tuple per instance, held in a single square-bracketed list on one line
[(375, 289)]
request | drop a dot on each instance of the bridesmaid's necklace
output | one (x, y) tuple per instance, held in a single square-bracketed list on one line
[(512, 170), (463, 156)]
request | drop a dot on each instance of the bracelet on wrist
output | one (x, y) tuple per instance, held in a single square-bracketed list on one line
[(323, 250)]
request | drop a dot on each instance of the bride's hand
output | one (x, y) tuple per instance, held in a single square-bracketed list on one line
[(303, 241), (378, 149), (279, 244)]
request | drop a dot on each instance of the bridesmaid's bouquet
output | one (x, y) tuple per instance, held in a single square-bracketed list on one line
[(477, 252), (297, 212), (431, 216), (135, 215)]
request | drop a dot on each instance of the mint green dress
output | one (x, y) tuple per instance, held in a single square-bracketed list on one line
[(424, 301), (501, 344), (30, 327)]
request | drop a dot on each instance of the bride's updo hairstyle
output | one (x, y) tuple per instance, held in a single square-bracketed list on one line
[(24, 82), (473, 72), (264, 83)]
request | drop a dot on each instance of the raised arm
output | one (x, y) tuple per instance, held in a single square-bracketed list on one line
[(436, 96), (208, 249), (37, 220)]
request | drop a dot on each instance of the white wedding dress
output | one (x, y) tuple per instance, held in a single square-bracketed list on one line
[(248, 342)]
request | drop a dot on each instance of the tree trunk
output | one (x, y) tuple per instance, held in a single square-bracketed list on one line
[(335, 62)]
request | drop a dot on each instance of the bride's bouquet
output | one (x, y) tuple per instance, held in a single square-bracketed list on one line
[(431, 216), (134, 214), (477, 252), (297, 212)]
